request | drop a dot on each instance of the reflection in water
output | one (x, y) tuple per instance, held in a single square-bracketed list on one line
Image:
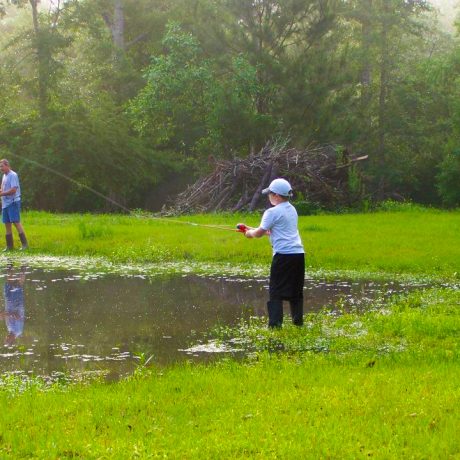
[(85, 324), (14, 314)]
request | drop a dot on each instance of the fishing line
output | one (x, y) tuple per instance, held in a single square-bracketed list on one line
[(112, 201)]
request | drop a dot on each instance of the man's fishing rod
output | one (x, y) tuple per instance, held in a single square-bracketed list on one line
[(119, 205)]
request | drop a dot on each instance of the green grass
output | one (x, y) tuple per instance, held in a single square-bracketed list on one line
[(384, 383), (425, 324), (299, 411), (351, 402), (418, 242)]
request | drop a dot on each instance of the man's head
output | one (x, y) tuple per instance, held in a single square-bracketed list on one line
[(4, 166)]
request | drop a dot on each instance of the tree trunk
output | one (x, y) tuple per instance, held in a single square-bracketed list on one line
[(382, 115), (42, 62), (118, 25), (366, 70), (115, 21)]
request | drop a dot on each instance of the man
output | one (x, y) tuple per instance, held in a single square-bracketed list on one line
[(11, 205), (287, 271), (14, 314)]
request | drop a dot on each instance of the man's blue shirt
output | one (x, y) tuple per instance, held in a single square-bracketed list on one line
[(9, 181), (14, 308)]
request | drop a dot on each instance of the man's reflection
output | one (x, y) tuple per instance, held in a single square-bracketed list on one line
[(14, 314)]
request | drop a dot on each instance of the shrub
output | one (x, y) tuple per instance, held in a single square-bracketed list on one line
[(448, 179), (304, 206), (399, 206), (93, 230)]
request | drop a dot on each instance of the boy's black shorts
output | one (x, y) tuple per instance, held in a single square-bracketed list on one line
[(287, 276)]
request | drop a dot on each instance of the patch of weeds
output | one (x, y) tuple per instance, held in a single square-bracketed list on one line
[(401, 206), (93, 230), (144, 365), (148, 253), (424, 323), (314, 228), (254, 336), (15, 384)]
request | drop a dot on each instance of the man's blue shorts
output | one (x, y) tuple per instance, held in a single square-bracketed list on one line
[(11, 214)]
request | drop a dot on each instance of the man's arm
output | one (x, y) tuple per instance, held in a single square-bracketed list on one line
[(11, 191)]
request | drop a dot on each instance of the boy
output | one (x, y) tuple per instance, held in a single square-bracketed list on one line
[(287, 271)]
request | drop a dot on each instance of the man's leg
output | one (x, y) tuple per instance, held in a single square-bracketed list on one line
[(297, 311), (22, 235), (8, 237)]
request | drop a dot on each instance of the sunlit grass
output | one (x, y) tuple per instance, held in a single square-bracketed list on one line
[(425, 241), (275, 410), (424, 323), (382, 383), (342, 402)]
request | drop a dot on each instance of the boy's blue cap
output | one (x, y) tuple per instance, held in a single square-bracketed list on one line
[(279, 186)]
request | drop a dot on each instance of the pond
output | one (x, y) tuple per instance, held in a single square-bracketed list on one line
[(68, 324)]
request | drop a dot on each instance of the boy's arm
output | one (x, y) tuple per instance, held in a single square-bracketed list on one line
[(260, 231), (256, 232)]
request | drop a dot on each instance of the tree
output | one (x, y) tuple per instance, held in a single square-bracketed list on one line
[(278, 38), (110, 83), (393, 21), (171, 109), (189, 105), (80, 122)]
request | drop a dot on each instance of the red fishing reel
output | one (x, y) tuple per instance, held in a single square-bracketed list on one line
[(242, 228)]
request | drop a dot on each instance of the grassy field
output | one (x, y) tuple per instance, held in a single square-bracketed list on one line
[(384, 383), (415, 241), (387, 387)]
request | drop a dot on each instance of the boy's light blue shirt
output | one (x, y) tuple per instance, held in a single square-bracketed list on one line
[(9, 181), (282, 220)]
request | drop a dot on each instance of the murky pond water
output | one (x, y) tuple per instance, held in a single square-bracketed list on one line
[(65, 323)]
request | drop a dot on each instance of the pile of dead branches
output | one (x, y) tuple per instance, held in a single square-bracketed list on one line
[(319, 175)]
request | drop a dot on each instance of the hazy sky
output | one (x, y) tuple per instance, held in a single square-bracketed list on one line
[(449, 10), (446, 6), (443, 4)]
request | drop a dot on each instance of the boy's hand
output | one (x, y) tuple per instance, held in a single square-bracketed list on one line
[(242, 228)]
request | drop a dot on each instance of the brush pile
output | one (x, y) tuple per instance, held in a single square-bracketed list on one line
[(323, 175)]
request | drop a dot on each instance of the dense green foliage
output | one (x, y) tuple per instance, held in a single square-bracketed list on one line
[(405, 239), (131, 97)]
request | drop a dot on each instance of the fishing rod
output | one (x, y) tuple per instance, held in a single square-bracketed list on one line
[(239, 228)]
